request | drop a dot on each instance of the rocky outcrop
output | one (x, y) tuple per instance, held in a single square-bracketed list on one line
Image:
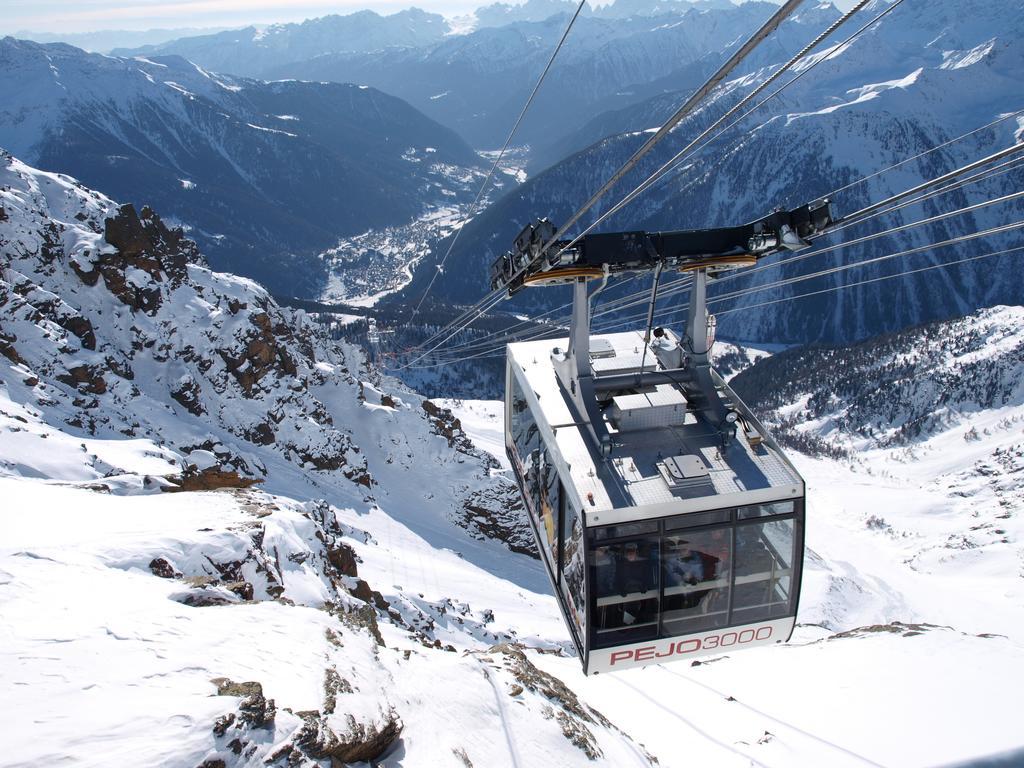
[(360, 742), (446, 424), (208, 479), (147, 253), (264, 348), (85, 378), (188, 394), (497, 512), (214, 347)]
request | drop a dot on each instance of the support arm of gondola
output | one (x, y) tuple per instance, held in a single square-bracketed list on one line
[(686, 365)]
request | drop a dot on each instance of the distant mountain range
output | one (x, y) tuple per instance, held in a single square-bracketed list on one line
[(912, 82), (278, 189), (264, 175), (476, 82), (104, 41)]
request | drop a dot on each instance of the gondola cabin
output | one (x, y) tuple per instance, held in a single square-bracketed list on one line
[(670, 544), (670, 523)]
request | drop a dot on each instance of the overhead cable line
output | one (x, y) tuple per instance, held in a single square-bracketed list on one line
[(766, 29), (919, 155), (831, 289), (487, 303), (874, 280), (678, 285), (698, 95), (1010, 150), (856, 264), (863, 262), (989, 173), (883, 233), (696, 144), (501, 154), (860, 216), (680, 114), (675, 286), (688, 106)]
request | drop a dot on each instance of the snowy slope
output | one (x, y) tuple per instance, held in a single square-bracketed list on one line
[(322, 619), (198, 594), (909, 648), (141, 341)]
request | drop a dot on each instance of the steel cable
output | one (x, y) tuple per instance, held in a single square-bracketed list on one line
[(501, 154)]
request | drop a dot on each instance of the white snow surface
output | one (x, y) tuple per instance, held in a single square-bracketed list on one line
[(121, 606)]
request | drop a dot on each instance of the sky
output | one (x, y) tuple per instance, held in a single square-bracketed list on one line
[(76, 16)]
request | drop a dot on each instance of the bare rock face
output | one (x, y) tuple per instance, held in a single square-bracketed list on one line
[(145, 241), (497, 512), (255, 710), (264, 348), (7, 347), (208, 479), (447, 424), (85, 378), (343, 558), (189, 395), (160, 567), (360, 742)]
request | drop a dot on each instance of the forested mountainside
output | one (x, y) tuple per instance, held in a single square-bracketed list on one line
[(264, 175), (892, 391), (882, 100)]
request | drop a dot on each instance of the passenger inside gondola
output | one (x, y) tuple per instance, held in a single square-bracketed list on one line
[(625, 580), (637, 575), (686, 567)]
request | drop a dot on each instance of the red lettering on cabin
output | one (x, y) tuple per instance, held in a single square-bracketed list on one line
[(643, 654), (621, 656), (681, 647), (696, 646)]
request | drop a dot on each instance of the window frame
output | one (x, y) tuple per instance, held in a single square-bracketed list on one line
[(730, 521)]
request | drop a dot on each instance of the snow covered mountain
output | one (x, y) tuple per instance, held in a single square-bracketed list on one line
[(115, 328), (266, 175), (253, 50), (937, 377), (476, 83), (106, 40), (367, 604), (913, 82)]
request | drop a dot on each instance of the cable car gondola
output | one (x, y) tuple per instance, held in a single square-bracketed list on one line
[(670, 523)]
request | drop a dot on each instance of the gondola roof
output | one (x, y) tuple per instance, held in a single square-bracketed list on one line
[(665, 455)]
